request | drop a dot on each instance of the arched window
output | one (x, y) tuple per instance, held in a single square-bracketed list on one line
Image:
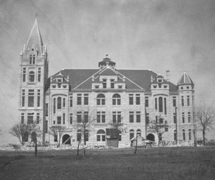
[(30, 59), (33, 59), (184, 137), (100, 135), (31, 76), (139, 132), (175, 135), (78, 135), (190, 134), (59, 103), (160, 104), (116, 99), (100, 99), (131, 133)]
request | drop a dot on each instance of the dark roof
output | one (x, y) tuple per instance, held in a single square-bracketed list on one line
[(185, 79), (134, 79)]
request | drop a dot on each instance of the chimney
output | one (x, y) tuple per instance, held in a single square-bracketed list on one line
[(167, 75)]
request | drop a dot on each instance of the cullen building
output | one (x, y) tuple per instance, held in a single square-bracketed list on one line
[(105, 94)]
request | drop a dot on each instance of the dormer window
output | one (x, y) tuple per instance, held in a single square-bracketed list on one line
[(64, 86), (160, 80), (188, 87), (181, 87), (154, 86), (120, 86), (165, 86), (59, 80), (96, 86), (54, 86)]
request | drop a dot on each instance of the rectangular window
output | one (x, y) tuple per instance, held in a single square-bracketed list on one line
[(147, 118), (22, 118), (39, 74), (30, 118), (38, 118), (137, 99), (23, 98), (47, 109), (138, 117), (188, 100), (46, 127), (112, 83), (165, 110), (70, 101), (131, 117), (54, 105), (189, 117), (63, 118), (59, 120), (86, 99), (55, 138), (79, 99), (131, 99), (31, 98), (182, 100), (24, 74), (174, 117), (70, 118), (86, 116), (183, 119), (104, 83), (64, 102), (101, 117), (116, 117), (38, 98), (156, 104), (146, 101), (79, 117), (174, 101), (166, 129)]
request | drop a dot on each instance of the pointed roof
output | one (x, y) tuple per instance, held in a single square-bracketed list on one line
[(35, 39), (185, 79)]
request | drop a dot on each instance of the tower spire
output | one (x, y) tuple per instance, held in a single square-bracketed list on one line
[(35, 41)]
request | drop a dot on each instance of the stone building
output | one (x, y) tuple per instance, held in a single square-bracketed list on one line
[(102, 95)]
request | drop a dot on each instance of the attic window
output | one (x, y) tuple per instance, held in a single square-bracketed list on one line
[(165, 86), (187, 87), (181, 87), (112, 80), (154, 86), (96, 86), (59, 80), (64, 86), (59, 85), (54, 86), (120, 86), (104, 80), (160, 80)]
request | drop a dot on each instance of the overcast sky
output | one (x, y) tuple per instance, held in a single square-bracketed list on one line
[(175, 35)]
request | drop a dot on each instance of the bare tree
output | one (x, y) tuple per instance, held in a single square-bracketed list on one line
[(18, 130), (84, 124), (158, 126), (57, 131), (205, 117)]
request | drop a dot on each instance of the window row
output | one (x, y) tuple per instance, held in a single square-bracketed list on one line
[(182, 117), (58, 103), (31, 98), (184, 136), (31, 117), (31, 75), (134, 116), (161, 104)]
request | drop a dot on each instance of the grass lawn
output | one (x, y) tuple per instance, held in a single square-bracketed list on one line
[(150, 163)]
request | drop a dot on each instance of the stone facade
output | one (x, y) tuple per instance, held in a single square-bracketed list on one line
[(103, 96)]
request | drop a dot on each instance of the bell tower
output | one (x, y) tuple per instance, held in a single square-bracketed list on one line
[(33, 79)]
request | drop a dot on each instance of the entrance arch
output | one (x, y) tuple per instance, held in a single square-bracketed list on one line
[(150, 137), (65, 139)]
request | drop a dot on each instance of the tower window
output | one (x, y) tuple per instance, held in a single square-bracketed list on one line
[(54, 105), (156, 104), (30, 118), (64, 102), (24, 74), (31, 76), (31, 98), (38, 98), (182, 100), (184, 137), (70, 119), (189, 117), (71, 101), (31, 59), (63, 118), (165, 109), (183, 119), (23, 98), (188, 100), (39, 74)]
